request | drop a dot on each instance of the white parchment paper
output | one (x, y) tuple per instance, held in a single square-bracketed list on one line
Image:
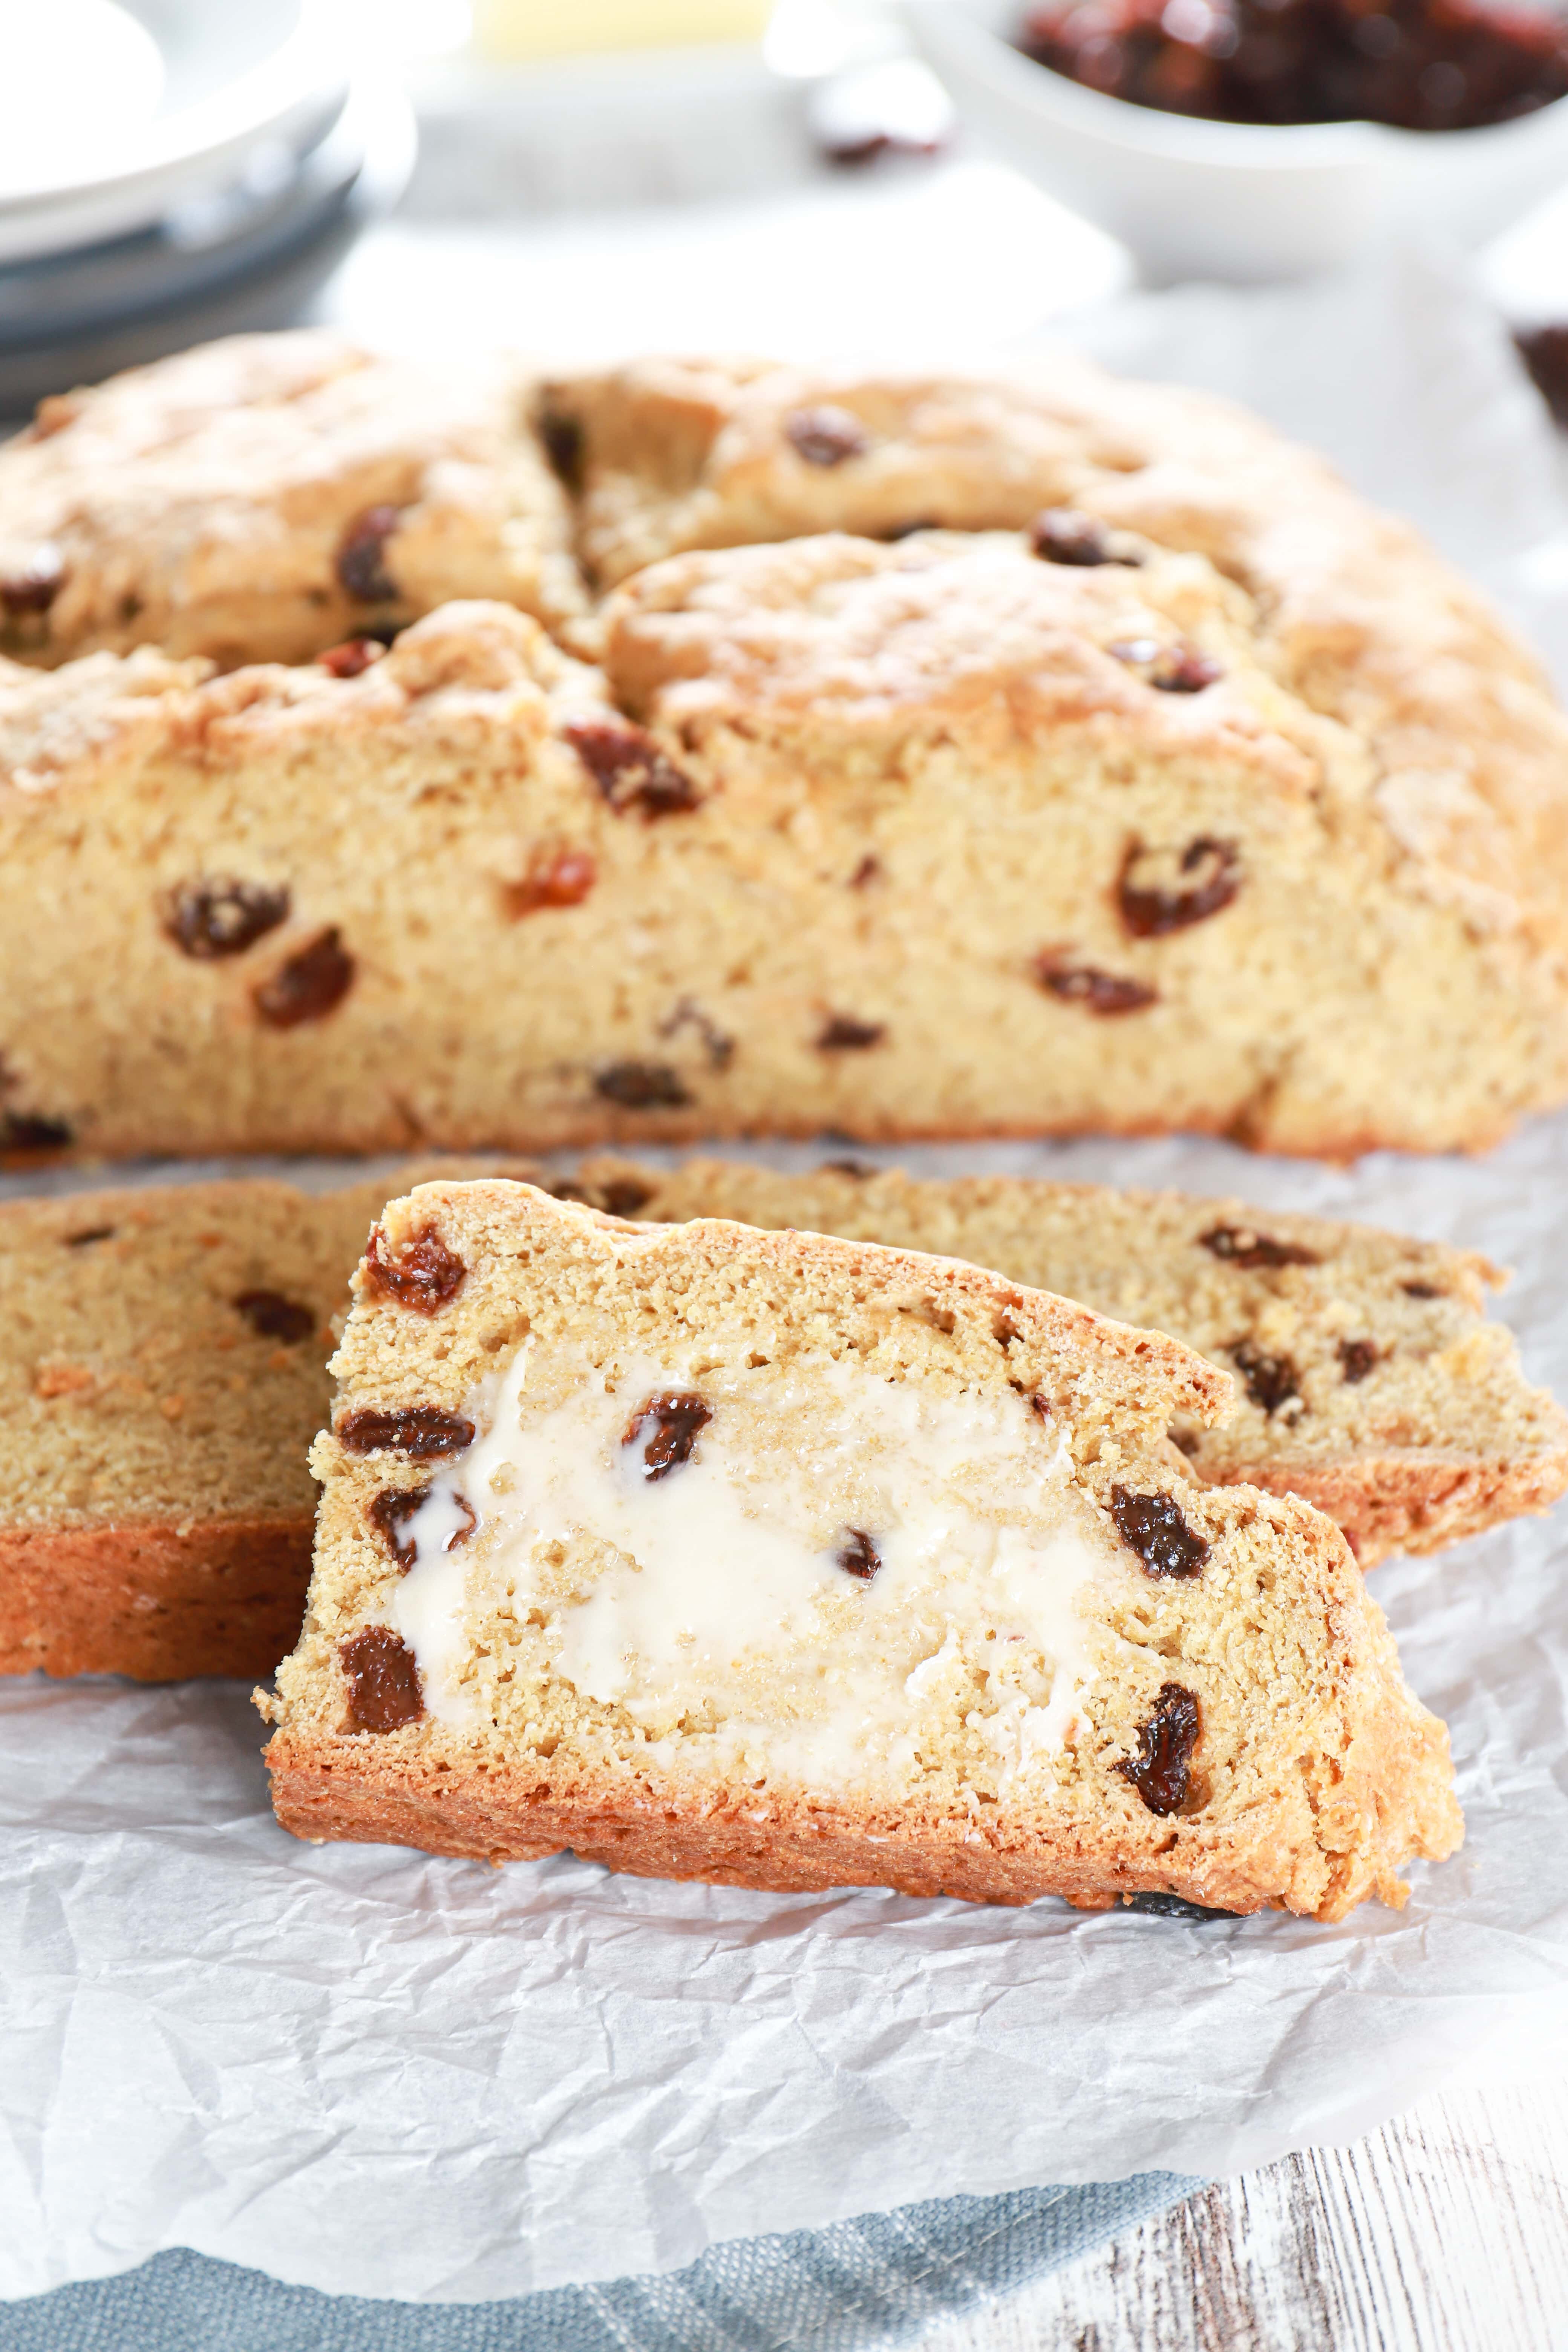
[(374, 2072)]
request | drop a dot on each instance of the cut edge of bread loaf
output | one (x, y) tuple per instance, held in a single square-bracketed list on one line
[(1253, 1689)]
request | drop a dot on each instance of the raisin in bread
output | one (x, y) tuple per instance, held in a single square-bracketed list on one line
[(902, 841), (160, 1526), (1367, 1378), (260, 498), (792, 1563)]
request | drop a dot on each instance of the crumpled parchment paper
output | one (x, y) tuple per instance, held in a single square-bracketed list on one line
[(379, 2074)]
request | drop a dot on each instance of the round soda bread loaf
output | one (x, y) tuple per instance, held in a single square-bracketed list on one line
[(1366, 1377), (263, 498), (939, 838), (788, 1561), (163, 1374)]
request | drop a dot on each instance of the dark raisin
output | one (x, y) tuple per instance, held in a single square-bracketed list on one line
[(1149, 910), (1269, 1381), (1174, 670), (419, 1431), (390, 1514), (215, 915), (382, 1675), (393, 1508), (857, 1167), (563, 439), (273, 1317), (1153, 1527), (1174, 1906), (825, 435), (352, 657), (842, 1033), (719, 1046), (93, 1234), (1240, 1245), (870, 870), (1422, 1290), (677, 1415), (1063, 535), (630, 770), (857, 1555), (1096, 992), (1038, 1405), (35, 586), (360, 561), (1158, 1768), (310, 985), (30, 1130), (642, 1086), (623, 1196), (563, 880), (1357, 1358), (422, 1273)]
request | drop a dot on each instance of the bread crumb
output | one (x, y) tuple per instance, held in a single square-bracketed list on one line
[(61, 1380)]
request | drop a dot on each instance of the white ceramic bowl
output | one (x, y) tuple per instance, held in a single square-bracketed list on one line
[(1200, 199), (233, 80)]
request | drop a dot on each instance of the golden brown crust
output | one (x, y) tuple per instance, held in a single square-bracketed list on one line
[(158, 1602)]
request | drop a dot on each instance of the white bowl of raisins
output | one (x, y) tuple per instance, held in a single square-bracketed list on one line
[(1216, 138)]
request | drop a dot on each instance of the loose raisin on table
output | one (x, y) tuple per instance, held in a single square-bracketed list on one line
[(1174, 670), (216, 915), (1357, 1358), (360, 560), (1174, 1906), (1159, 1767), (273, 1317), (34, 588), (842, 1033), (352, 657), (383, 1676), (675, 1416), (421, 1432), (1149, 911), (562, 880), (825, 435), (1153, 1527), (1105, 992), (1240, 1245), (422, 1273), (857, 1555), (1269, 1381), (310, 985), (1063, 535), (630, 770), (642, 1086)]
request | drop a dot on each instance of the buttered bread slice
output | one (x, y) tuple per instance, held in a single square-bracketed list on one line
[(792, 1562)]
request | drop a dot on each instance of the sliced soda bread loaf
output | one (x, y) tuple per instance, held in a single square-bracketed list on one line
[(930, 839), (263, 498), (787, 1561), (162, 1360), (1366, 1376), (163, 1372)]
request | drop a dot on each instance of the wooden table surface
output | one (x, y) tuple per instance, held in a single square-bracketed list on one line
[(1446, 2231)]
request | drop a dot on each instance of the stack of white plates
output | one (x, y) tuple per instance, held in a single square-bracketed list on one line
[(174, 169)]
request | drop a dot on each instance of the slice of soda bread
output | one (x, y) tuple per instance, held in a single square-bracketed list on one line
[(792, 1563), (263, 498), (1367, 1378)]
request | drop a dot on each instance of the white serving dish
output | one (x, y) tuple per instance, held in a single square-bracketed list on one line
[(258, 81), (1227, 200)]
